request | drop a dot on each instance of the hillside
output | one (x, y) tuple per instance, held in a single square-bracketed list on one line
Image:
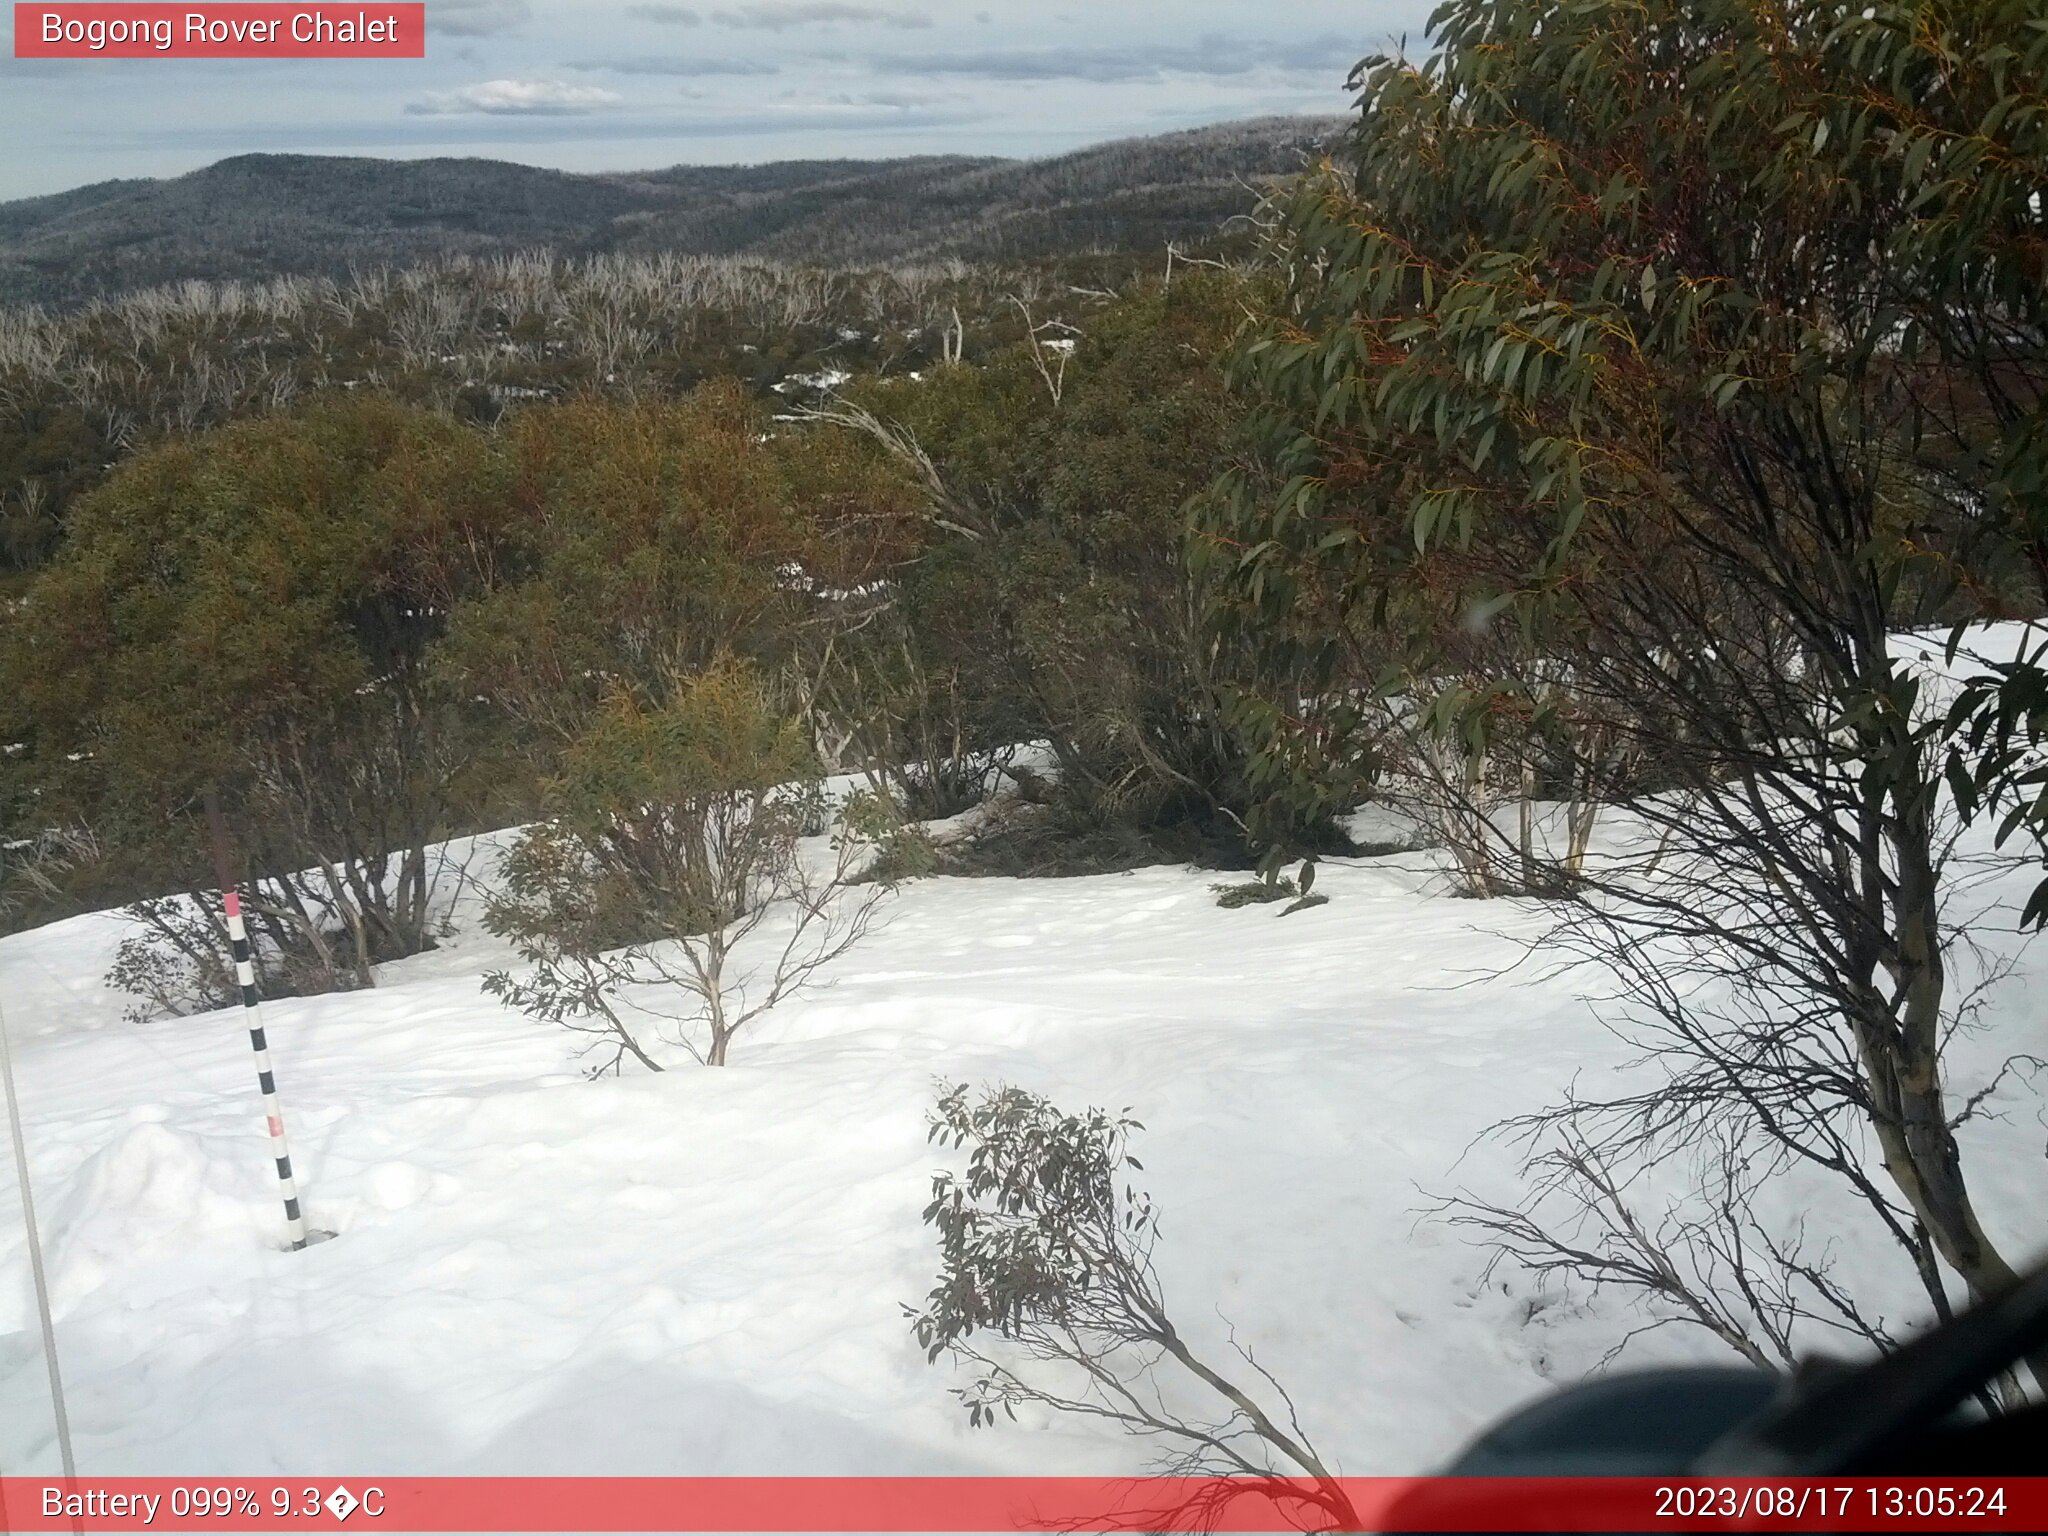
[(260, 216)]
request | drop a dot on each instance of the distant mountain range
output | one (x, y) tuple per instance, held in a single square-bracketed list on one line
[(259, 216)]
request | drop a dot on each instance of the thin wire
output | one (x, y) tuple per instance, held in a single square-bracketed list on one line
[(35, 1255)]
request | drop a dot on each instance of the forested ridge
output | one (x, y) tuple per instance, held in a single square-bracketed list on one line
[(258, 217)]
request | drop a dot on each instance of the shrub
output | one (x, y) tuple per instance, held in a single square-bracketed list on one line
[(1047, 1291), (674, 837)]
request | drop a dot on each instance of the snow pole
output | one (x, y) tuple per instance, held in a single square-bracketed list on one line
[(35, 1268), (245, 975)]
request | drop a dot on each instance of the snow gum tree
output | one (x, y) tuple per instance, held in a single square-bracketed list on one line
[(671, 864), (257, 611), (649, 540), (1684, 353)]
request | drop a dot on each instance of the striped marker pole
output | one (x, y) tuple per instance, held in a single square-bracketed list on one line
[(245, 974)]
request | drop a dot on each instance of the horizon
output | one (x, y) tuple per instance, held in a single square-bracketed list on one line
[(658, 169), (615, 88)]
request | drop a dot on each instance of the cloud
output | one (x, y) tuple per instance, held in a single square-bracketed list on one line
[(666, 15), (514, 98), (685, 68), (782, 15), (897, 101), (477, 18), (1214, 55)]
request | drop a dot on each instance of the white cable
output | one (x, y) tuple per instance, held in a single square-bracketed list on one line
[(35, 1256)]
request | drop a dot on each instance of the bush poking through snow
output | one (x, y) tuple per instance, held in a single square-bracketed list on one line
[(1046, 1245), (901, 850), (1251, 893), (172, 971), (1299, 894), (36, 873), (673, 863), (182, 963)]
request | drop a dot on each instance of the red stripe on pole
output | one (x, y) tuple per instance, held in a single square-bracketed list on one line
[(234, 902), (276, 1126), (996, 1504)]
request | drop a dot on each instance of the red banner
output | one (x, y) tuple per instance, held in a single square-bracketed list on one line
[(999, 1504), (215, 31)]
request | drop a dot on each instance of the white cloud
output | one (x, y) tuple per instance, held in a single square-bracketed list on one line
[(515, 98)]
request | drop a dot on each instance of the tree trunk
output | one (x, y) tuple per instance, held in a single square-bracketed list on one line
[(1902, 1053), (1527, 829)]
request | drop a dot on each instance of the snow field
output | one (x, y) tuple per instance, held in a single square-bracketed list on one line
[(703, 1271)]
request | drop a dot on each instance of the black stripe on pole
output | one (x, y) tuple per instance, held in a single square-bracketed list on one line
[(245, 974)]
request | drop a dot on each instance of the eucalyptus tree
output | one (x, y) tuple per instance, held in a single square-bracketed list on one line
[(255, 612), (1687, 351)]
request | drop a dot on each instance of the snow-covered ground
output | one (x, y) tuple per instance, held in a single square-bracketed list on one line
[(704, 1271)]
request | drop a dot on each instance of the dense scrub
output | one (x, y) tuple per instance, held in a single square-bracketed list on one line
[(939, 565), (80, 391)]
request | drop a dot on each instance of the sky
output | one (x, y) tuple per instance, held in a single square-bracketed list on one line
[(586, 86)]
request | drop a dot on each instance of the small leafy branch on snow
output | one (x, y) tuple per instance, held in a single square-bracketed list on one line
[(1046, 1252)]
